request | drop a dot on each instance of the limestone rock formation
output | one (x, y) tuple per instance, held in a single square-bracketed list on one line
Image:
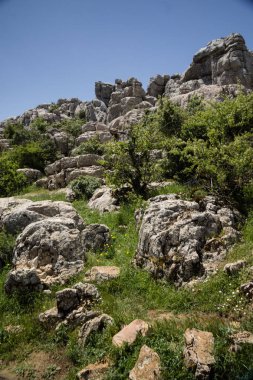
[(103, 200), (104, 91), (199, 352), (178, 238), (31, 175), (93, 325), (157, 85), (95, 237), (25, 212), (94, 130), (52, 247)]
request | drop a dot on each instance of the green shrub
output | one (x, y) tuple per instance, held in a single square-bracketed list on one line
[(11, 182), (91, 146), (84, 187), (6, 248)]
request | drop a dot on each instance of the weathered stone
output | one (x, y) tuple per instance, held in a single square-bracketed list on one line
[(147, 367), (102, 273), (157, 85), (15, 219), (50, 317), (95, 371), (95, 237), (199, 352), (130, 332), (31, 175), (247, 289), (61, 141), (94, 325), (233, 268), (21, 280), (103, 200), (51, 248), (242, 337), (93, 171), (120, 126), (103, 91), (178, 238)]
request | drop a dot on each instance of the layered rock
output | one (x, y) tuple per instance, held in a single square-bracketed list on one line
[(103, 200), (128, 334), (147, 367), (65, 170), (178, 239), (93, 130)]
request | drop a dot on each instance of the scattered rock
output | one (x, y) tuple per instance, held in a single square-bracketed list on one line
[(94, 325), (199, 352), (31, 175), (103, 200), (147, 367), (247, 289), (130, 332), (95, 237), (178, 238), (95, 371), (233, 268), (23, 280), (102, 273)]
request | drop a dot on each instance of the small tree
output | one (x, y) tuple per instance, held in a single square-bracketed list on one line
[(130, 162)]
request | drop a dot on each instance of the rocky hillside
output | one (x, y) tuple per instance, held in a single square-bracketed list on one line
[(126, 229)]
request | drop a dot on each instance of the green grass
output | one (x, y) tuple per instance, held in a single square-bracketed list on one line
[(212, 306)]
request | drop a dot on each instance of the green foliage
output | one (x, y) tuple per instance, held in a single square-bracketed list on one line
[(91, 146), (169, 117), (130, 161), (84, 187), (70, 126), (7, 242), (11, 182)]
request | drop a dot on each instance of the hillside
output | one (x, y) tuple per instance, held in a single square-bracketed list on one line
[(127, 229)]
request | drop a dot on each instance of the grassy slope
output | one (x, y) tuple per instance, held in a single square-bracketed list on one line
[(214, 305)]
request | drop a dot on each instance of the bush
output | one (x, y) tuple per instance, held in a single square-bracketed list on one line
[(84, 187), (6, 248), (91, 146), (11, 182)]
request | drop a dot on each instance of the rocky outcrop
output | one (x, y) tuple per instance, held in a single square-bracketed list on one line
[(19, 215), (104, 91), (130, 332), (179, 238), (93, 130), (119, 127), (218, 69), (157, 85), (199, 353), (65, 170), (95, 237), (147, 367), (103, 200)]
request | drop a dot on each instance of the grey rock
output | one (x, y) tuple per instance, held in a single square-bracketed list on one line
[(120, 126), (178, 238), (103, 200), (95, 237), (21, 280), (32, 175), (104, 91), (157, 85), (94, 325), (233, 268), (247, 289), (147, 367), (102, 273), (52, 248), (16, 218)]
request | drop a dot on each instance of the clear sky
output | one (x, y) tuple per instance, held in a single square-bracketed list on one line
[(52, 49)]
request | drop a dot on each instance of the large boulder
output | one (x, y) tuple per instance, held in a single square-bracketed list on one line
[(157, 85), (119, 127), (178, 239), (104, 91), (95, 237), (16, 218), (52, 247), (31, 175)]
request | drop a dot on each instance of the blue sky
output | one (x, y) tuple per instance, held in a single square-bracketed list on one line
[(52, 49)]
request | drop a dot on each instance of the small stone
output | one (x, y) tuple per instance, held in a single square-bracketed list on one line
[(232, 268), (102, 273), (130, 332), (94, 325), (199, 352), (147, 367), (94, 371)]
